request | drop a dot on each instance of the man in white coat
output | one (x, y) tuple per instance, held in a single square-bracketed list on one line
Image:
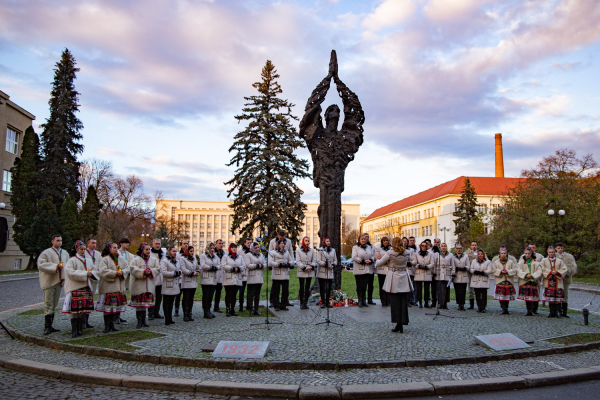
[(93, 258), (51, 264), (571, 264), (124, 252), (159, 253)]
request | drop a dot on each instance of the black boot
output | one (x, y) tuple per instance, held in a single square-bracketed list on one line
[(565, 307), (427, 305), (48, 324), (186, 316), (150, 313), (552, 312), (207, 314), (256, 311), (86, 324), (232, 311), (176, 312), (106, 323), (117, 319), (535, 307), (397, 328), (190, 316), (529, 306), (112, 320), (144, 324), (471, 304), (74, 327), (80, 325), (121, 320), (139, 315)]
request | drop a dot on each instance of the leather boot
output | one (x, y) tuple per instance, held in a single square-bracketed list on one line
[(256, 311), (112, 319), (471, 304), (190, 316), (150, 313), (47, 324), (186, 316), (232, 311), (176, 312), (80, 325), (74, 328), (144, 324), (552, 312), (251, 313), (117, 319), (106, 323), (138, 315), (86, 324), (529, 306), (397, 328), (565, 307), (207, 314), (427, 305), (535, 307)]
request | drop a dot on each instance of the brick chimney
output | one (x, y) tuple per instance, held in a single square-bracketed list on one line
[(499, 157)]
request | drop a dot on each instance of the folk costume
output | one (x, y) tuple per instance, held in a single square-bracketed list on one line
[(242, 289), (423, 263), (211, 266), (571, 264), (190, 269), (529, 273), (397, 284), (504, 271), (233, 266), (480, 281), (220, 275), (79, 300), (93, 258), (154, 312), (281, 261), (306, 261), (444, 270), (537, 257), (171, 272), (142, 273), (363, 271), (553, 271), (461, 278), (382, 269), (255, 265), (50, 264), (112, 300), (326, 260)]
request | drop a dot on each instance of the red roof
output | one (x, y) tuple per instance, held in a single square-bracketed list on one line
[(483, 185)]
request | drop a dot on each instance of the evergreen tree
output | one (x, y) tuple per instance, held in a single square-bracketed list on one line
[(45, 224), (90, 213), (466, 212), (25, 195), (263, 189), (60, 138), (71, 228)]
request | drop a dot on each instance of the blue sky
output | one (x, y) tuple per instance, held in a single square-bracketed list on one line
[(161, 82)]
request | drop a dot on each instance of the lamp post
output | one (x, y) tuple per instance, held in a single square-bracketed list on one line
[(445, 229), (552, 213)]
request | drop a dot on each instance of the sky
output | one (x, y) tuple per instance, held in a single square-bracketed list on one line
[(161, 81)]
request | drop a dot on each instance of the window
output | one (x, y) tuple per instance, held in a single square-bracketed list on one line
[(208, 226), (173, 210), (208, 234), (202, 218), (6, 179), (223, 218), (201, 243), (187, 217), (195, 234), (195, 217), (223, 226), (195, 225), (17, 263), (12, 141), (201, 234)]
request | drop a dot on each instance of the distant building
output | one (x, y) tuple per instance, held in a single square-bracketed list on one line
[(14, 120), (211, 220), (426, 214)]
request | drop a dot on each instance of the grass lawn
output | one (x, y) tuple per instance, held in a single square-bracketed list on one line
[(594, 280), (580, 338), (37, 311), (116, 341), (19, 271)]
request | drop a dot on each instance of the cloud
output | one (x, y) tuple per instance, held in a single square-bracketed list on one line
[(104, 150), (191, 167), (389, 13)]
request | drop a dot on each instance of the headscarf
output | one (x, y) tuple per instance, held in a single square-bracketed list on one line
[(140, 250), (484, 256), (207, 249), (187, 255), (232, 255), (106, 249), (389, 246), (255, 248), (304, 245), (77, 245), (324, 245)]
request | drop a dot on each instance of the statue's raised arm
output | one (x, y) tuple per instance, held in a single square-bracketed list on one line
[(354, 117)]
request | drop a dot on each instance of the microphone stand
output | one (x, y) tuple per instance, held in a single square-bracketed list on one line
[(327, 320), (7, 331), (267, 322), (437, 312)]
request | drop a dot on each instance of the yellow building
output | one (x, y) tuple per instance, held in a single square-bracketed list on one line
[(429, 214), (211, 220), (14, 120)]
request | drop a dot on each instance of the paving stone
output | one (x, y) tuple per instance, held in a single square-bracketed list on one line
[(562, 377), (171, 384), (248, 389), (479, 385), (386, 391), (35, 367), (93, 377), (319, 392)]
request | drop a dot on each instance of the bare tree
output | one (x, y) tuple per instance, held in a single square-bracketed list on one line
[(97, 173)]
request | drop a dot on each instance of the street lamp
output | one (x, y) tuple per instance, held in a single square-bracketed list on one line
[(445, 229), (551, 213)]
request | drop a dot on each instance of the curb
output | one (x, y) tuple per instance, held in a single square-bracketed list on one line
[(293, 365), (593, 291), (297, 391)]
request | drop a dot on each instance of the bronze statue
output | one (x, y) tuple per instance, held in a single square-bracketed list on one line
[(331, 151)]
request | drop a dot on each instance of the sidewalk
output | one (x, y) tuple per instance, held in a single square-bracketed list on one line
[(19, 277)]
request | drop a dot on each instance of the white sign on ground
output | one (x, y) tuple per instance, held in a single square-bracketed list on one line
[(501, 341), (241, 349)]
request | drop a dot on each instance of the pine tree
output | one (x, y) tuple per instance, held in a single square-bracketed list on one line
[(263, 189), (466, 212), (60, 138), (71, 228), (45, 223), (25, 195), (90, 213)]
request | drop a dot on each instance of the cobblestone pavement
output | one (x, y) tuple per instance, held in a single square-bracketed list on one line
[(19, 293), (17, 385)]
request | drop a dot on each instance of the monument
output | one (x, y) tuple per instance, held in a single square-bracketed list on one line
[(331, 151)]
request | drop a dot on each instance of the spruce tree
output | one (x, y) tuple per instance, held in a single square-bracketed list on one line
[(90, 213), (466, 212), (45, 223), (60, 138), (25, 195), (71, 228), (263, 189)]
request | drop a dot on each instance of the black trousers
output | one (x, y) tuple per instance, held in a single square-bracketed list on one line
[(399, 307), (208, 291), (434, 298), (281, 287), (168, 301), (441, 289), (253, 295), (231, 292), (361, 286), (383, 295), (419, 288), (158, 299), (178, 298), (242, 292), (504, 304), (304, 289), (481, 297), (218, 288), (413, 294), (188, 300), (325, 290), (370, 281), (460, 291)]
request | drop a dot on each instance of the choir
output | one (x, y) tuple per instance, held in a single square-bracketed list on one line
[(407, 276)]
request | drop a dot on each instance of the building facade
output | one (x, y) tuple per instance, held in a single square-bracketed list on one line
[(14, 120), (429, 214), (208, 221)]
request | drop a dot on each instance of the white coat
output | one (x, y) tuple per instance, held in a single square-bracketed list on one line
[(129, 259), (461, 276), (288, 245), (109, 282), (538, 258), (228, 264), (158, 281), (571, 264), (326, 258), (276, 258), (481, 281), (255, 265), (138, 283), (559, 267), (47, 264), (188, 268), (305, 259), (497, 268), (397, 279), (361, 254), (423, 275), (207, 263), (381, 268), (221, 272), (76, 275), (171, 281), (443, 266), (242, 251), (523, 269), (411, 269)]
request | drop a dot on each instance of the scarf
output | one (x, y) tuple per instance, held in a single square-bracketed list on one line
[(172, 259), (220, 253), (423, 253), (528, 262), (386, 248), (414, 247), (159, 252), (245, 249)]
